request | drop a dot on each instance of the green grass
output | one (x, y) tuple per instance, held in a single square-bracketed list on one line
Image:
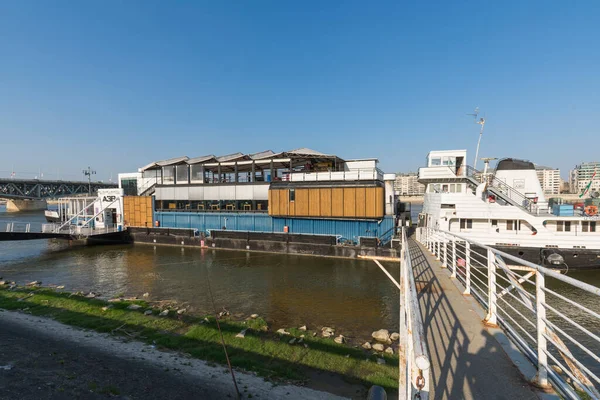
[(261, 351)]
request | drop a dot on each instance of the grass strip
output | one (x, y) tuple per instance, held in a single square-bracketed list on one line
[(268, 354)]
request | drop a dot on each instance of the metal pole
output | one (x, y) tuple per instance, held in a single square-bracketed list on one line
[(540, 311), (491, 316), (467, 268), (453, 257), (445, 259)]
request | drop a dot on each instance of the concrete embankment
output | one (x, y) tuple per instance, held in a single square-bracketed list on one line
[(25, 205)]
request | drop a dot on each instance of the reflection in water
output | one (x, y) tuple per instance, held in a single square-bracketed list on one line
[(351, 295)]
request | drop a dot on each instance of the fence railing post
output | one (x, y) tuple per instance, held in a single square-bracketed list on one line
[(540, 311), (467, 268), (491, 265), (453, 263), (445, 257)]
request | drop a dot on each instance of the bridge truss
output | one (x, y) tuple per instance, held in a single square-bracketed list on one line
[(41, 189)]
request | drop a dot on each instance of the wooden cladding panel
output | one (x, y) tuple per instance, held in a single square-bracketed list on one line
[(301, 203), (349, 202), (325, 202), (314, 202), (137, 211), (337, 202), (370, 200), (352, 202), (379, 201), (360, 201)]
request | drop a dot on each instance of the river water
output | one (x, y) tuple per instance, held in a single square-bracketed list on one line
[(353, 296)]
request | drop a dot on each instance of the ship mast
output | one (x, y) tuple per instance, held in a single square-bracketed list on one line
[(481, 122)]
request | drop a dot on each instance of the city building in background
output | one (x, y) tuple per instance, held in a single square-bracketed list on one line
[(407, 184), (583, 174), (573, 181), (549, 179)]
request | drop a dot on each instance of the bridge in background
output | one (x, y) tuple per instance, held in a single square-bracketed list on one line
[(35, 189)]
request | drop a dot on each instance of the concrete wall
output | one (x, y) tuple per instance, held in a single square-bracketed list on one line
[(25, 205)]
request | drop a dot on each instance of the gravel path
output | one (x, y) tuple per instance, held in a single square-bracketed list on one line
[(43, 359)]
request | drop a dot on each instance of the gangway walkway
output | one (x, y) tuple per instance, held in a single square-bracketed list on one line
[(467, 362)]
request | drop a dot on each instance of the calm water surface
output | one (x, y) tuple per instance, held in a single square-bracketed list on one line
[(353, 296)]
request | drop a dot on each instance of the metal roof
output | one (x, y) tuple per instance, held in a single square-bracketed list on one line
[(232, 157), (202, 159), (305, 151), (262, 154), (164, 163)]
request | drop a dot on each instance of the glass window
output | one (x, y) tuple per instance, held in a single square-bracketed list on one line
[(567, 226), (182, 174), (585, 226), (559, 226), (129, 187), (435, 161), (593, 226), (509, 225), (169, 174), (469, 224), (196, 173), (292, 194)]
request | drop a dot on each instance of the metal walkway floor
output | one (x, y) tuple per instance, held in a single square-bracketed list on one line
[(466, 360)]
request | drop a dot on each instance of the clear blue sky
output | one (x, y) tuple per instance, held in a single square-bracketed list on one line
[(118, 84)]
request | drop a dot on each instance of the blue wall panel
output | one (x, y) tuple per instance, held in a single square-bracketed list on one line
[(348, 229)]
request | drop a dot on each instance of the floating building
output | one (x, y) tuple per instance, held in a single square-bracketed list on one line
[(299, 191)]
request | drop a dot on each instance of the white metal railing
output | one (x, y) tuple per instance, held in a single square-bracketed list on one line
[(351, 175), (18, 227), (415, 372), (540, 309)]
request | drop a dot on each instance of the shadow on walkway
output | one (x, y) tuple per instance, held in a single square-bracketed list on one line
[(467, 362)]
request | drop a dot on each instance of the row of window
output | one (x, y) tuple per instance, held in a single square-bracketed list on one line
[(212, 205), (515, 225), (445, 188)]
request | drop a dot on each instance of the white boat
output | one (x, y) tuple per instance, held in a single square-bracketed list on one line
[(52, 215), (507, 209)]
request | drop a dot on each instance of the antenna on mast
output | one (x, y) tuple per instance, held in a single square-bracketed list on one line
[(480, 121)]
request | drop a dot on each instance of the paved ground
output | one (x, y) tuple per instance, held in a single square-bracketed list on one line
[(467, 361), (42, 359)]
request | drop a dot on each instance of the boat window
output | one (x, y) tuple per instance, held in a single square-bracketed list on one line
[(459, 188), (510, 225), (593, 226), (494, 222), (182, 174), (559, 226), (445, 188), (436, 161), (434, 188), (448, 206), (567, 226), (292, 194), (585, 226), (450, 161), (466, 223)]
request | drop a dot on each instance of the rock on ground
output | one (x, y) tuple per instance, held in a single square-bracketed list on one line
[(134, 307), (367, 345), (340, 339), (382, 335), (389, 350), (378, 347), (395, 336), (282, 331), (242, 334)]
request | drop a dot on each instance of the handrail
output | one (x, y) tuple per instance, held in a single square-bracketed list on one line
[(415, 372), (534, 315)]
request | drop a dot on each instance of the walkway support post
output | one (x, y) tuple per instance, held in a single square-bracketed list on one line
[(540, 311), (491, 266), (445, 259), (467, 268)]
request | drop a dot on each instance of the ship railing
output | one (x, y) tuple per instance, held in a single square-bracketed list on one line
[(415, 372), (538, 308)]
